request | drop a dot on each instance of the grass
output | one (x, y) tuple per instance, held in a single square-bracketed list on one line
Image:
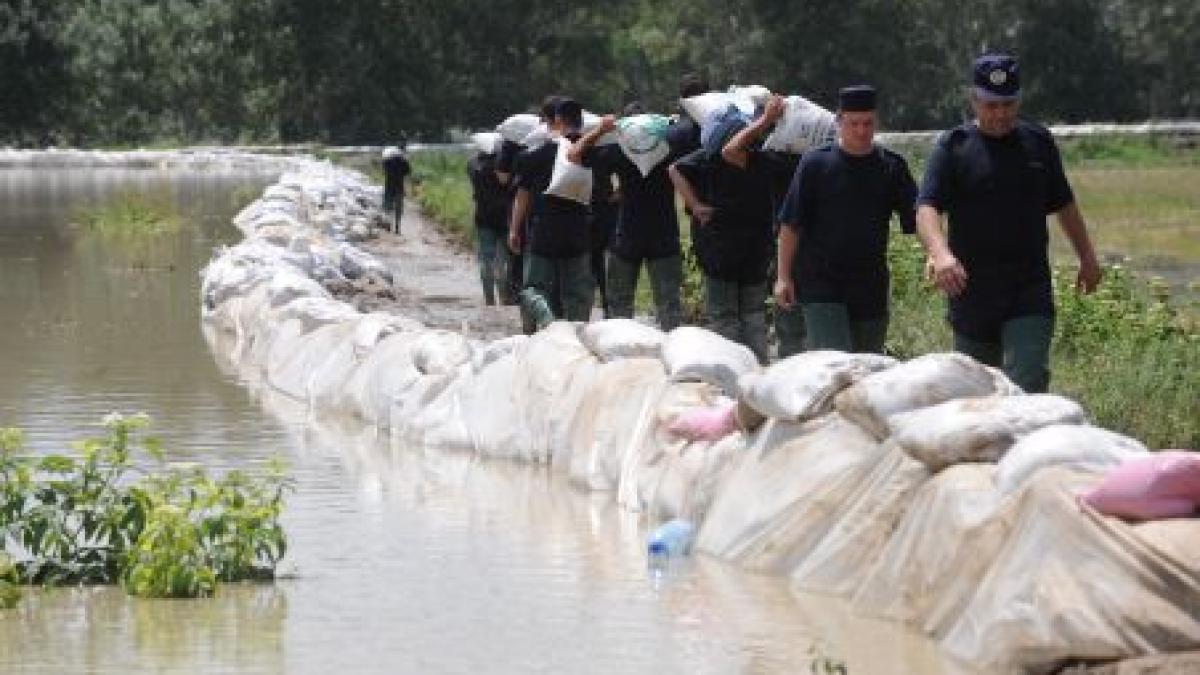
[(1129, 353), (132, 215)]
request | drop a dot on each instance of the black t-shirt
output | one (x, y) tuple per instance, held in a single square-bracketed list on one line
[(997, 193), (491, 199), (558, 228), (395, 169), (683, 136), (735, 245), (604, 205), (647, 227), (841, 205), (506, 159)]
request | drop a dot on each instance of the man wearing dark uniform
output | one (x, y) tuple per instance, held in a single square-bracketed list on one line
[(997, 178), (558, 276), (491, 226), (506, 161), (395, 169), (834, 232)]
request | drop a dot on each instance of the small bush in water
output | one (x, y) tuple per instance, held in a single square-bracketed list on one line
[(10, 595), (133, 215), (98, 517)]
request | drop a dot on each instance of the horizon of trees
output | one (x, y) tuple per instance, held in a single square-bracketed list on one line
[(113, 72)]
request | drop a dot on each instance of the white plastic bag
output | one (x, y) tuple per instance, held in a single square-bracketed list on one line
[(569, 180), (1084, 448), (756, 93), (703, 106), (517, 127), (803, 386), (643, 139), (804, 125), (622, 339), (536, 138), (692, 353), (487, 142)]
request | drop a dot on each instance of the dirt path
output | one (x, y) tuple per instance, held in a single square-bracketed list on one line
[(435, 282)]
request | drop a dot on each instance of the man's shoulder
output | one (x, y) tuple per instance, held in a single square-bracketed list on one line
[(891, 157), (955, 135), (1033, 130)]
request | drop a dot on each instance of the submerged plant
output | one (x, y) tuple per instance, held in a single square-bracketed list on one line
[(100, 517), (132, 214)]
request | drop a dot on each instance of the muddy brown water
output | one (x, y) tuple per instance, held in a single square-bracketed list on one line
[(401, 559)]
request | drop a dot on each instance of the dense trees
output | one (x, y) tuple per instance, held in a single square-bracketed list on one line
[(134, 71)]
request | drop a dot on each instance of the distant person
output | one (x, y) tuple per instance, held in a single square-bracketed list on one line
[(726, 185), (834, 232), (603, 224), (506, 166), (647, 228), (395, 169), (553, 232), (491, 226), (997, 178)]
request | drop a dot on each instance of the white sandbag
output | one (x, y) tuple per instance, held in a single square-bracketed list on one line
[(614, 339), (354, 263), (487, 142), (804, 125), (692, 353), (756, 93), (803, 386), (643, 139), (785, 493), (691, 476), (436, 352), (977, 429), (569, 180), (429, 413), (924, 381), (703, 106), (490, 352), (386, 372), (840, 562), (286, 286), (618, 402), (939, 550), (591, 121), (517, 127), (313, 312), (291, 367), (1069, 583), (539, 136), (1083, 448)]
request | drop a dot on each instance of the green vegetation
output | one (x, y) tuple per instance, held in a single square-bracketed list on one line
[(97, 516), (122, 72), (132, 215), (444, 192), (1129, 353)]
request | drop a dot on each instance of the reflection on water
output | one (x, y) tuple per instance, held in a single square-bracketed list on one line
[(401, 559)]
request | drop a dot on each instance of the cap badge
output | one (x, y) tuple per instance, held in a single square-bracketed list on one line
[(998, 77)]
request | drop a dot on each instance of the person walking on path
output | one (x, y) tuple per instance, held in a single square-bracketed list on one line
[(491, 226), (997, 178), (834, 232), (395, 170)]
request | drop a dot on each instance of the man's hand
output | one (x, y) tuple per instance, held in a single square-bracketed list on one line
[(703, 213), (947, 274), (607, 123), (785, 293), (1089, 276), (776, 106), (514, 242)]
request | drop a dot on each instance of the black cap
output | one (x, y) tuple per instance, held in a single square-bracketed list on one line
[(996, 78), (549, 107), (571, 113), (856, 98)]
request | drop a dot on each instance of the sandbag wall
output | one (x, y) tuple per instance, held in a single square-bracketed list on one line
[(932, 491)]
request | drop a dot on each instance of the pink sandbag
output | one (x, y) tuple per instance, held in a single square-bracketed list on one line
[(1161, 485), (706, 424)]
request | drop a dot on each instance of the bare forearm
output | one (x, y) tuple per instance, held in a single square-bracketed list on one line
[(736, 151), (789, 240), (519, 211), (1073, 225), (684, 188), (929, 230)]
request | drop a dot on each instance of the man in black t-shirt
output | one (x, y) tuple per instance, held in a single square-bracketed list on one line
[(491, 226), (728, 195), (647, 229), (834, 232), (684, 134), (395, 170), (558, 277), (997, 178)]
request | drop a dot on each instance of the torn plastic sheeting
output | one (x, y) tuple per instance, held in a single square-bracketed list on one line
[(918, 383), (692, 353), (1084, 448), (977, 429), (801, 387), (785, 492), (869, 517)]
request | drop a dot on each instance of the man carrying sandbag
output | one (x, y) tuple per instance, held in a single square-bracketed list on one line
[(684, 134), (726, 186), (491, 226), (647, 230), (558, 276), (395, 169), (997, 178), (834, 232)]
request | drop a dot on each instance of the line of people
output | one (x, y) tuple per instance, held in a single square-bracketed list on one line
[(815, 226)]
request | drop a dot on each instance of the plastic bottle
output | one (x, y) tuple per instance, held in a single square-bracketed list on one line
[(672, 539)]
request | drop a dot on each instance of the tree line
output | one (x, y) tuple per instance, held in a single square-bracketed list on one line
[(111, 72)]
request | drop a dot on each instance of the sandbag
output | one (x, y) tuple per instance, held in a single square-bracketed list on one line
[(786, 491), (643, 139), (692, 353), (938, 551), (924, 381), (701, 106), (840, 562), (487, 142), (384, 373), (494, 350), (516, 127), (311, 311), (690, 475), (977, 429), (286, 286), (569, 180), (1165, 484), (291, 367), (539, 136), (614, 339), (804, 125), (801, 387), (1070, 583), (1081, 447), (706, 423), (437, 352), (756, 93)]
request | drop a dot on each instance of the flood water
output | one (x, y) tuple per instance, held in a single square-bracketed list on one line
[(401, 559)]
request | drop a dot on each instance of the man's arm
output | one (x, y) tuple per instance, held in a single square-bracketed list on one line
[(785, 286), (736, 151), (588, 140), (1073, 225), (700, 211), (943, 268), (520, 210)]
